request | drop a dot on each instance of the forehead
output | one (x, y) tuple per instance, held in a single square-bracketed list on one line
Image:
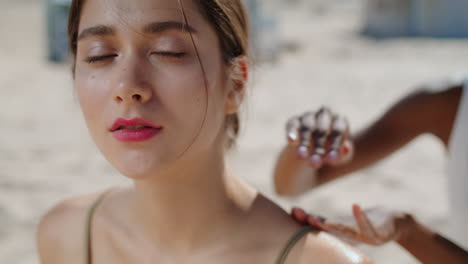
[(136, 13)]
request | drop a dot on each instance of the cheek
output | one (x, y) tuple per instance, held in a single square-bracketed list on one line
[(179, 85), (193, 98), (183, 99), (181, 89), (91, 92)]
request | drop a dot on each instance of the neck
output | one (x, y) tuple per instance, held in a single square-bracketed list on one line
[(192, 207)]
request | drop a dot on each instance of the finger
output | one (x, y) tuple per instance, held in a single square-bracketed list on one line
[(338, 135), (323, 119), (299, 215), (292, 129), (346, 232), (365, 225), (317, 223), (341, 231), (318, 217), (347, 151), (329, 226), (307, 121)]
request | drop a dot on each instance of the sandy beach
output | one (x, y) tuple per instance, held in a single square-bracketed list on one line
[(46, 154)]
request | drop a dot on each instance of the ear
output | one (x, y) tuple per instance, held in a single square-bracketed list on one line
[(237, 80)]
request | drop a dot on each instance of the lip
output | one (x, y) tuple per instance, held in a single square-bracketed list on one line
[(121, 131)]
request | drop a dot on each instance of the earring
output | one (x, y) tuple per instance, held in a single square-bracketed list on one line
[(239, 69)]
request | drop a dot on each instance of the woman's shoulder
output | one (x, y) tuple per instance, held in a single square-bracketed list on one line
[(61, 231), (321, 247), (313, 247)]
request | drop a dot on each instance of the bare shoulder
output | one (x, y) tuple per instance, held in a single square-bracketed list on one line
[(61, 231), (324, 248)]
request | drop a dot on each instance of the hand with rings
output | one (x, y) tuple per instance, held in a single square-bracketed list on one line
[(321, 138)]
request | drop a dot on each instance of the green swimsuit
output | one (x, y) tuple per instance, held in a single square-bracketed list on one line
[(88, 239)]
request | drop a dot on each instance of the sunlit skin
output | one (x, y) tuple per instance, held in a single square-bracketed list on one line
[(134, 60)]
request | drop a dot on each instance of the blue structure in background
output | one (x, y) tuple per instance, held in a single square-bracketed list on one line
[(264, 22), (57, 20), (425, 18)]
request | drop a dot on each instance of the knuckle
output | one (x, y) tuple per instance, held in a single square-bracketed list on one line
[(340, 124), (307, 120), (293, 123), (323, 122)]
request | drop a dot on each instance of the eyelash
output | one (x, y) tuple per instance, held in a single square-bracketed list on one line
[(177, 55), (95, 59)]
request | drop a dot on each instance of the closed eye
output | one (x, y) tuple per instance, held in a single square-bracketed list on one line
[(170, 54), (94, 59)]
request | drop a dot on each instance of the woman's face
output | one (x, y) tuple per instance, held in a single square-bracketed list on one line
[(145, 97)]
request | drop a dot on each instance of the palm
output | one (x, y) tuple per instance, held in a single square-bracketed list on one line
[(374, 226)]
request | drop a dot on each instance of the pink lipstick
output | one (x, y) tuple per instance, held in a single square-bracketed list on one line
[(134, 130)]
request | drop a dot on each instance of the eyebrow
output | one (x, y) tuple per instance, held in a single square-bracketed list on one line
[(101, 30), (159, 27), (152, 28)]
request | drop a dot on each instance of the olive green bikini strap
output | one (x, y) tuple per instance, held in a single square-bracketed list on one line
[(89, 222), (292, 242)]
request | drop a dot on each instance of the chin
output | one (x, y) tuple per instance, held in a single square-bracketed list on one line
[(137, 170), (139, 165)]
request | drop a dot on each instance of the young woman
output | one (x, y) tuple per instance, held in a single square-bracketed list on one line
[(320, 151), (160, 83)]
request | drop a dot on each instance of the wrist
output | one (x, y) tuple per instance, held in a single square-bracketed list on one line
[(405, 225)]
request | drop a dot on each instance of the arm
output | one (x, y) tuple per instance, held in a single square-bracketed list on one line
[(429, 247), (424, 111)]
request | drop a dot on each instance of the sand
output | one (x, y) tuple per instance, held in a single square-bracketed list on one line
[(46, 154)]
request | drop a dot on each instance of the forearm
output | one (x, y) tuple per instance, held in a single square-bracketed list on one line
[(430, 247), (371, 145)]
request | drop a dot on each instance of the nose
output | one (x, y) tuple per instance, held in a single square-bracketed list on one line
[(132, 84)]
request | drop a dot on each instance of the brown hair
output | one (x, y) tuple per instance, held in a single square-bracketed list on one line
[(229, 19)]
